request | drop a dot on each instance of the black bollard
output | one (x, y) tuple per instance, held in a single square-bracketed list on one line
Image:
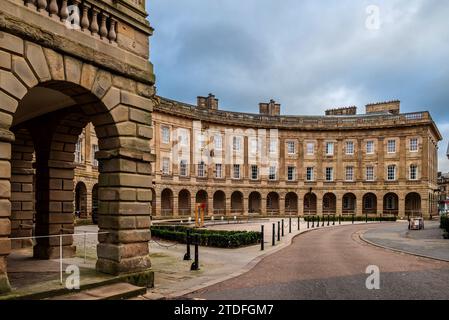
[(313, 222), (328, 220), (290, 225), (273, 237), (299, 222), (187, 255), (283, 227), (279, 231), (366, 218), (318, 221), (339, 219), (353, 219), (333, 220), (196, 263), (323, 222), (262, 238), (308, 223)]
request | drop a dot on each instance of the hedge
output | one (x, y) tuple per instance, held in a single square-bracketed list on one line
[(207, 238), (349, 218), (444, 223)]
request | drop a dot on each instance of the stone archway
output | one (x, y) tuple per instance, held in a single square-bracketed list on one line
[(81, 200), (219, 203), (237, 202), (310, 203), (349, 203), (54, 96), (184, 206), (273, 203), (291, 203), (391, 204), (167, 203), (202, 197), (329, 203), (413, 204), (255, 202), (369, 203)]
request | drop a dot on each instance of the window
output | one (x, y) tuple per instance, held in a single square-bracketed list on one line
[(349, 173), (218, 142), (201, 169), (369, 203), (291, 173), (182, 139), (273, 146), (370, 173), (391, 173), (253, 145), (237, 144), (94, 149), (183, 168), (272, 173), (310, 148), (413, 172), (414, 145), (165, 134), (309, 174), (78, 153), (349, 147), (291, 147), (254, 172), (329, 148), (218, 170), (329, 174), (236, 174), (391, 146), (391, 202), (165, 166), (370, 147), (202, 141)]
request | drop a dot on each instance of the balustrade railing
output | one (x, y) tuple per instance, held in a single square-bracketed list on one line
[(79, 15)]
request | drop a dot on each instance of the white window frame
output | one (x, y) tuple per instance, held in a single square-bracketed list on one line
[(329, 174), (291, 147), (411, 173), (165, 166), (78, 151), (183, 168), (372, 144), (330, 150), (310, 174), (369, 173), (201, 169), (351, 150), (254, 169), (95, 148), (349, 173), (218, 171), (253, 146), (165, 134), (291, 173), (272, 173), (310, 148), (391, 146), (237, 144), (415, 146), (236, 168), (394, 172), (273, 146), (218, 142)]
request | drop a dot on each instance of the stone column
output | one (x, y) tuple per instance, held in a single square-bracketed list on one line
[(210, 205), (245, 205), (380, 204), (5, 206), (175, 204), (319, 203), (124, 213), (359, 204)]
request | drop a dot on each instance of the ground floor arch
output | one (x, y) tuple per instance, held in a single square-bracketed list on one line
[(255, 202), (291, 203), (202, 198), (219, 203), (81, 200), (413, 206), (349, 203), (184, 203), (329, 203), (167, 202), (310, 203), (237, 205), (369, 203), (273, 203), (391, 204)]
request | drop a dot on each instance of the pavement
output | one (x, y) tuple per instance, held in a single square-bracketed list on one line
[(427, 243), (332, 263)]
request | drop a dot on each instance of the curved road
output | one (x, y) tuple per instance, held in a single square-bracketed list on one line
[(331, 264)]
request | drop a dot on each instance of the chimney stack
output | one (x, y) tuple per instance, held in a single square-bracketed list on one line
[(208, 102), (270, 109)]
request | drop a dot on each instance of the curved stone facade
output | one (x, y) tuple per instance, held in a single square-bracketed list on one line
[(379, 163)]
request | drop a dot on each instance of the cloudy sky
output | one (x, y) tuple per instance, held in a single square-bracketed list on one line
[(308, 55)]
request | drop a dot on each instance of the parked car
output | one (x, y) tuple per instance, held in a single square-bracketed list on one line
[(95, 215)]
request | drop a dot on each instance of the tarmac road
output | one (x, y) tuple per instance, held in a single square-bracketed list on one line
[(331, 264)]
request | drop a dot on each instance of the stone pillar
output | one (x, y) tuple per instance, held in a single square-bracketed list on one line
[(228, 206), (359, 204), (175, 205), (300, 205), (192, 206), (319, 204), (5, 206), (339, 199), (124, 213), (401, 204), (380, 204), (210, 205), (245, 205)]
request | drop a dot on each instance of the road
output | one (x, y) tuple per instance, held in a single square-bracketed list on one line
[(331, 264)]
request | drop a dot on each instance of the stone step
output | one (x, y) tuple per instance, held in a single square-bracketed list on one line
[(115, 291)]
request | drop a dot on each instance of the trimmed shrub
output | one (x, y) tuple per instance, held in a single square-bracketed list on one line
[(207, 238)]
